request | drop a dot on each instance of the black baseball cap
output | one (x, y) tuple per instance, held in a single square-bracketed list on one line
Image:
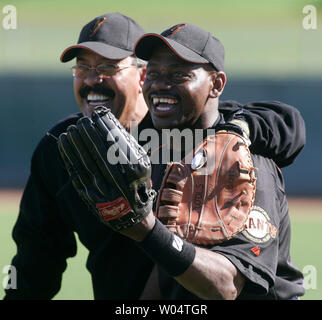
[(110, 35), (188, 42)]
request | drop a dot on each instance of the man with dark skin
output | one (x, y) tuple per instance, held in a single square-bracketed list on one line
[(194, 91), (107, 73), (182, 88)]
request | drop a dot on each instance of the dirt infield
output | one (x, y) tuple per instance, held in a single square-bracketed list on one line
[(305, 207), (10, 195), (9, 201)]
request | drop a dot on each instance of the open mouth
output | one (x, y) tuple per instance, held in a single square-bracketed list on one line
[(98, 97), (163, 105), (95, 100)]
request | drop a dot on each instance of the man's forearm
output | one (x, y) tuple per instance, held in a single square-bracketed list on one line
[(212, 276)]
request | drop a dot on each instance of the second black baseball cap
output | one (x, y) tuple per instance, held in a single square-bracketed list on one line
[(110, 35), (188, 42)]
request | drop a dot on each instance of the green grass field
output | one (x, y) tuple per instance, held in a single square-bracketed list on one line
[(306, 217)]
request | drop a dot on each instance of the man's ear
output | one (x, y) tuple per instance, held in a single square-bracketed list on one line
[(219, 81), (142, 73)]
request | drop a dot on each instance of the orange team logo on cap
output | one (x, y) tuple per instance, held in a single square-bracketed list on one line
[(97, 26), (173, 30)]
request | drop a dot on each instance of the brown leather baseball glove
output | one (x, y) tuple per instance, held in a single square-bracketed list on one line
[(207, 197)]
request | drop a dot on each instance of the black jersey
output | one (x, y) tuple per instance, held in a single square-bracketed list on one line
[(51, 212), (262, 251)]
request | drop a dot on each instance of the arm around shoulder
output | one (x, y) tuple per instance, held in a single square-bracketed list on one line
[(277, 130)]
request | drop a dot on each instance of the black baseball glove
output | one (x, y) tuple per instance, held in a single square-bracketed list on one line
[(109, 169)]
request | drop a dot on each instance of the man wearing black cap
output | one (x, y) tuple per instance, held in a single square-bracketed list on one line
[(106, 73), (185, 77)]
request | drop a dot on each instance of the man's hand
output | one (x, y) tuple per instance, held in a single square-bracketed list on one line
[(109, 169)]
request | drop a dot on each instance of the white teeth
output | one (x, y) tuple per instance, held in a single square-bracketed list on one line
[(157, 100), (163, 108), (96, 97)]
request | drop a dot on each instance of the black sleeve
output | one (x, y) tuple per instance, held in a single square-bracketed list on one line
[(277, 130), (43, 238)]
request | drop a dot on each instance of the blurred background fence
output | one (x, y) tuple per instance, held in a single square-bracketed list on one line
[(31, 105)]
